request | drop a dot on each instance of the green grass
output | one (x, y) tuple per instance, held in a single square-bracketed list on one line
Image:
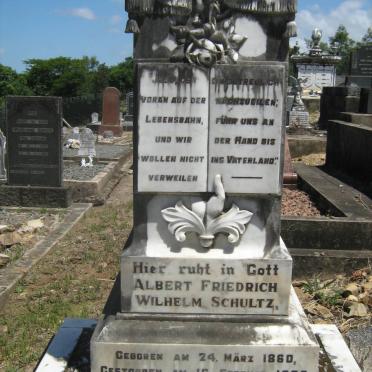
[(64, 284)]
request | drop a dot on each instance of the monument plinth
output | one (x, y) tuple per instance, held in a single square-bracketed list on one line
[(205, 278)]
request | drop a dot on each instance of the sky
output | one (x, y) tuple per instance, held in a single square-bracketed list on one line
[(74, 28)]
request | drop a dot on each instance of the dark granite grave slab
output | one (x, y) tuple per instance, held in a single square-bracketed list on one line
[(34, 134), (349, 149), (361, 61), (365, 101), (335, 100), (43, 197)]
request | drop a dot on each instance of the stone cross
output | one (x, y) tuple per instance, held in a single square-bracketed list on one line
[(2, 156)]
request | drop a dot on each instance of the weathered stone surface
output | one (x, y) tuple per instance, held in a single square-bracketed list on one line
[(205, 283), (111, 112), (246, 128), (170, 345), (299, 120), (360, 343), (316, 76), (10, 238), (172, 128), (111, 106), (34, 135), (44, 197)]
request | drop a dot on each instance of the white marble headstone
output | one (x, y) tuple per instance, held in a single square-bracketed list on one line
[(315, 77), (87, 143), (75, 133), (95, 118), (173, 129)]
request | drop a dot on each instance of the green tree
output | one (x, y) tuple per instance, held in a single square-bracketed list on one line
[(12, 83), (59, 76), (345, 45), (99, 79), (122, 75), (367, 38)]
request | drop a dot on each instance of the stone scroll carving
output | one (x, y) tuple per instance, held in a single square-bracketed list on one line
[(207, 219), (204, 30)]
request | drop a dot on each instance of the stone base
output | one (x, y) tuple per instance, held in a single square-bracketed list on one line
[(33, 196), (270, 344), (223, 283), (117, 130)]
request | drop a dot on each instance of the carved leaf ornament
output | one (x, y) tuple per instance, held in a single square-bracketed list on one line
[(181, 220)]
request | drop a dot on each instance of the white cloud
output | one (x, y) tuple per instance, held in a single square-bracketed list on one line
[(355, 15), (116, 19), (85, 13), (2, 52)]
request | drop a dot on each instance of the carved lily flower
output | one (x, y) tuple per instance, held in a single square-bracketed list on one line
[(207, 219)]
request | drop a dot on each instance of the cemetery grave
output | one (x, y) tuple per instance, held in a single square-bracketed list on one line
[(205, 277), (94, 183)]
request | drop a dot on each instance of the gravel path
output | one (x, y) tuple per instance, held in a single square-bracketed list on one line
[(103, 151), (73, 171)]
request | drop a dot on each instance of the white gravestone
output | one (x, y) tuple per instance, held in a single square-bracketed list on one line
[(87, 146), (205, 277), (95, 118), (315, 77), (2, 156), (75, 133)]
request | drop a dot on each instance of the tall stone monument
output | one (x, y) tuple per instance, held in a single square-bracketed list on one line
[(205, 277), (316, 69), (111, 112)]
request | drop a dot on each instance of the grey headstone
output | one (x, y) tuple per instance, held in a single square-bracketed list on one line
[(2, 156), (34, 136), (87, 143), (361, 61)]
